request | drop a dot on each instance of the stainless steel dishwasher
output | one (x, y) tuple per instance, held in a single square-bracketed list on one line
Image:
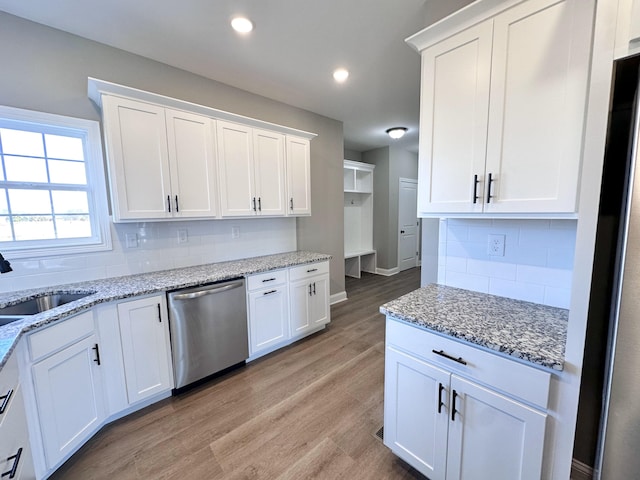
[(208, 326)]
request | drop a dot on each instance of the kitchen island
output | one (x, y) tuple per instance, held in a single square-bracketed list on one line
[(468, 382)]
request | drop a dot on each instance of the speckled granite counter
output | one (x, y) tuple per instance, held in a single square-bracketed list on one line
[(528, 331), (133, 285)]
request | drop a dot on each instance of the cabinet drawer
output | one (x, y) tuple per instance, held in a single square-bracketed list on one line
[(8, 385), (516, 379), (267, 279), (58, 336), (309, 270)]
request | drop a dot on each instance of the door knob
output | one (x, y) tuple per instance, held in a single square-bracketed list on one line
[(401, 231)]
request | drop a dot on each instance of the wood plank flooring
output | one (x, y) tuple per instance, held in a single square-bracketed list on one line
[(309, 411)]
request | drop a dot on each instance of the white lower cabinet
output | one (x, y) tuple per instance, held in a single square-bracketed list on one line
[(268, 311), (309, 291), (69, 394), (449, 426), (146, 349)]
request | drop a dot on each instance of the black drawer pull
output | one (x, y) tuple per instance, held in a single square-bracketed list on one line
[(97, 359), (291, 203), (489, 182), (5, 401), (312, 270), (442, 354), (453, 406), (475, 189), (440, 403), (169, 203), (268, 280), (269, 292), (16, 462)]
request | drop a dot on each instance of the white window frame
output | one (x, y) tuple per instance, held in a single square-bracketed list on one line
[(98, 210)]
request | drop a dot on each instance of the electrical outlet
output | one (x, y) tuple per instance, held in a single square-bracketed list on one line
[(235, 232), (495, 245), (182, 235), (131, 240)]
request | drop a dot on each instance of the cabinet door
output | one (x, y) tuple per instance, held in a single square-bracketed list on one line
[(192, 162), (493, 434), (268, 318), (268, 158), (69, 396), (136, 143), (15, 438), (539, 79), (300, 294), (145, 347), (415, 412), (235, 167), (453, 124), (319, 301), (298, 176)]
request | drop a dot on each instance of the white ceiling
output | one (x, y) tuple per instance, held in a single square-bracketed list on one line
[(289, 57)]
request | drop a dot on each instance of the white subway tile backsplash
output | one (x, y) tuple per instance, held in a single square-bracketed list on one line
[(537, 265)]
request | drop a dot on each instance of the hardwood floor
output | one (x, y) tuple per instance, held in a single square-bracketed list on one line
[(310, 410)]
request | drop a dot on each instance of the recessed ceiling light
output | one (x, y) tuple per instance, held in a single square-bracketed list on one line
[(241, 24), (340, 75), (397, 132)]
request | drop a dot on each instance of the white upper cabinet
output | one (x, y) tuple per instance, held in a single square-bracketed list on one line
[(298, 176), (252, 171), (502, 108), (161, 161), (627, 28)]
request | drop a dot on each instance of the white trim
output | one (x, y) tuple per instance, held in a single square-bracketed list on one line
[(96, 88), (95, 181), (337, 298), (387, 272), (581, 471)]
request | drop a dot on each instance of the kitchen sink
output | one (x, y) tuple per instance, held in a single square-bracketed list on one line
[(39, 304), (7, 319)]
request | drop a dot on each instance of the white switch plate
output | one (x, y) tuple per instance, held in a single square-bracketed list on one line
[(131, 240), (235, 232), (495, 245), (182, 235)]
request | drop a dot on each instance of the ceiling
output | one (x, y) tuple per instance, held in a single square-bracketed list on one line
[(289, 56)]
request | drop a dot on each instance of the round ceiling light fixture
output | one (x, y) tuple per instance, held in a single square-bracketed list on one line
[(397, 132), (340, 75), (241, 24)]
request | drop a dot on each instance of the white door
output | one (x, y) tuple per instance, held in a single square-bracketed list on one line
[(192, 163), (298, 176), (299, 294), (416, 413), (453, 121), (538, 88), (235, 168), (493, 434), (268, 159), (145, 347), (136, 142), (70, 400), (319, 300), (268, 318), (408, 233)]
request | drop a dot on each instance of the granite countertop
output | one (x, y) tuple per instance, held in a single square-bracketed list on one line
[(524, 330), (106, 290)]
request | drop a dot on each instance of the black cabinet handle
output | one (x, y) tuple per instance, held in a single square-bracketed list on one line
[(489, 182), (169, 203), (269, 292), (159, 314), (254, 204), (312, 270), (97, 359), (177, 206), (5, 401), (291, 204), (440, 404), (16, 462), (259, 204), (309, 289), (268, 280), (475, 188), (314, 288), (445, 355), (453, 406)]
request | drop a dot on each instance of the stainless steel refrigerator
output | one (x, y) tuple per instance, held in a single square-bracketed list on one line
[(618, 455)]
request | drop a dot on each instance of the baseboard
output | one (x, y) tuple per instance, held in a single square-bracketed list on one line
[(387, 272), (337, 298), (581, 471)]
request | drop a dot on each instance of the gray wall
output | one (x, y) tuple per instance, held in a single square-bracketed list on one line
[(352, 155), (392, 163), (46, 70)]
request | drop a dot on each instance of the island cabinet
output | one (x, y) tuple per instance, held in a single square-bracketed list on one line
[(503, 100), (452, 410), (161, 161), (252, 171)]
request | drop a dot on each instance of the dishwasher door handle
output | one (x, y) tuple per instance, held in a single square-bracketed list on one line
[(209, 291)]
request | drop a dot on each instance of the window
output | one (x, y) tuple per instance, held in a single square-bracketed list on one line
[(52, 188)]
